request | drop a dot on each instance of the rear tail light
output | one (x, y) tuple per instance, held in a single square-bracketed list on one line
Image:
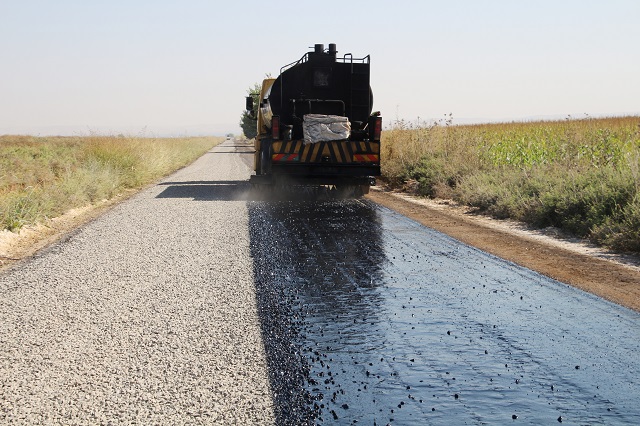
[(275, 127), (377, 129)]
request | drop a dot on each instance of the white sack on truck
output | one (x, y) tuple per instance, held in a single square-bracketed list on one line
[(322, 128)]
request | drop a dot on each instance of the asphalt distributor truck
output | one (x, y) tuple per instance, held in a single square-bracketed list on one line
[(316, 126)]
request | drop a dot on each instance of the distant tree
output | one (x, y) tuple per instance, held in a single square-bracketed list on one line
[(249, 119)]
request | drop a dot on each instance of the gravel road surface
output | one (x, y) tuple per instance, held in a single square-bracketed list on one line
[(145, 316)]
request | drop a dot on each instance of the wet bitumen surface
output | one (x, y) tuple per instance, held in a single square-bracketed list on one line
[(371, 318)]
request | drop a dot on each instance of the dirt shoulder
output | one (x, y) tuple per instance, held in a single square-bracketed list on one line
[(16, 246), (613, 277)]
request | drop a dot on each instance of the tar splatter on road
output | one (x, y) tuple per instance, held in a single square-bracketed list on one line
[(371, 318)]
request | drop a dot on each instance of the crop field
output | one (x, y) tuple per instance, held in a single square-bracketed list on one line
[(581, 176), (43, 177)]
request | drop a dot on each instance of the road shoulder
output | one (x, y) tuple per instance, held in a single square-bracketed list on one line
[(30, 239)]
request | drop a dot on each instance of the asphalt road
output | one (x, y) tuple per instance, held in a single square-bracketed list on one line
[(201, 302), (387, 321)]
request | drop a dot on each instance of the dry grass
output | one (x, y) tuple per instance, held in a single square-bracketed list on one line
[(42, 177), (579, 175)]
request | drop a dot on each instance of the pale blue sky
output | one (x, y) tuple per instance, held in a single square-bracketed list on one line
[(182, 67)]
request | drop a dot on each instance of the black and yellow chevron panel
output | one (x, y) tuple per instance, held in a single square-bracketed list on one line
[(323, 152)]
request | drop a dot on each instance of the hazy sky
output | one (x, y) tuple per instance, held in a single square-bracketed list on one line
[(183, 67)]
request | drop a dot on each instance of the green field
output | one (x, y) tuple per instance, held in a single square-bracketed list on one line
[(581, 176), (43, 177)]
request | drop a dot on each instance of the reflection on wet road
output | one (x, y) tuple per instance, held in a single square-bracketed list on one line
[(371, 318)]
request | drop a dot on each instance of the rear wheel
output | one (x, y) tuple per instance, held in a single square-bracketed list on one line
[(343, 192), (363, 190), (265, 160)]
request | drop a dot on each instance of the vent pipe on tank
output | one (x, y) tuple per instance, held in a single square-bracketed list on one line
[(332, 51)]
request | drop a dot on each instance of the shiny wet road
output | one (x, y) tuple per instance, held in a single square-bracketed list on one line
[(371, 318)]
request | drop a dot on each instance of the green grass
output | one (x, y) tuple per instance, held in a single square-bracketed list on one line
[(582, 176), (43, 177)]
